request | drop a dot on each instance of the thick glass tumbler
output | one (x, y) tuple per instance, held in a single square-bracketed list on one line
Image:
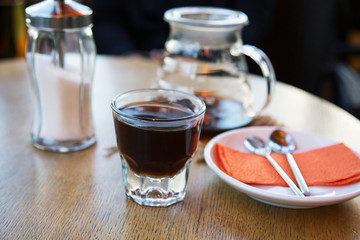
[(157, 134)]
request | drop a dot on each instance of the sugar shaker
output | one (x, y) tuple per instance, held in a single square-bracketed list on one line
[(60, 55)]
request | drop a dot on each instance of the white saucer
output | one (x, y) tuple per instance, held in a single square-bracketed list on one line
[(274, 195)]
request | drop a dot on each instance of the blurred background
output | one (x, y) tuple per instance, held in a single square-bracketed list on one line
[(313, 45)]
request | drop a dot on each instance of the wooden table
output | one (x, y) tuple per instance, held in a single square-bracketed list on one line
[(80, 195)]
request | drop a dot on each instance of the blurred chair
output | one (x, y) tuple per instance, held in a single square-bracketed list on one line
[(315, 45), (346, 69), (13, 30)]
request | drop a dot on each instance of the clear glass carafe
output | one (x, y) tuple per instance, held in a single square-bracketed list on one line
[(61, 56), (204, 55)]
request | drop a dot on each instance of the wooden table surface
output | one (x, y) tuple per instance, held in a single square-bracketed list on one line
[(80, 195)]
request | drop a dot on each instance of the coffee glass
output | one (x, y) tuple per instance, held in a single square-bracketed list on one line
[(157, 133)]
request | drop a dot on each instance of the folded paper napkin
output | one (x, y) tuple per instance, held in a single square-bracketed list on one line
[(331, 165)]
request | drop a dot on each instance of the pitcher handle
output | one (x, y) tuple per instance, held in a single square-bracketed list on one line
[(266, 67)]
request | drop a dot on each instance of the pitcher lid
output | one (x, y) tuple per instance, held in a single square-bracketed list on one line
[(206, 17), (58, 14)]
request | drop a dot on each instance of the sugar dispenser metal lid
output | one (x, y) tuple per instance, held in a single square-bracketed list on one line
[(58, 14)]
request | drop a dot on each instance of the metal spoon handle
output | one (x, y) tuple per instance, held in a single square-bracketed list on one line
[(298, 176), (284, 176)]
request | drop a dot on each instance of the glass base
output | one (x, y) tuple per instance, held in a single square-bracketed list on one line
[(155, 192), (62, 146)]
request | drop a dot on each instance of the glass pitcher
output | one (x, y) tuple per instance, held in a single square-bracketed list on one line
[(204, 55)]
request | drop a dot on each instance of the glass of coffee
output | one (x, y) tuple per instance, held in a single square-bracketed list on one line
[(157, 133)]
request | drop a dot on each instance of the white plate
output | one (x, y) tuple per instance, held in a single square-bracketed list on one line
[(275, 195)]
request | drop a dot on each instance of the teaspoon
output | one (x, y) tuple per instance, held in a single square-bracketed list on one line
[(257, 146), (281, 142)]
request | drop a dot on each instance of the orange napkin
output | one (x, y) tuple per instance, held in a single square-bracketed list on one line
[(331, 165)]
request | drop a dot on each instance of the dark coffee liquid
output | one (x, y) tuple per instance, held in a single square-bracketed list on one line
[(221, 114), (153, 151)]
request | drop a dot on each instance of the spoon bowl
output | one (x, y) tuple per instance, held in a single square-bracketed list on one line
[(281, 142), (256, 145)]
